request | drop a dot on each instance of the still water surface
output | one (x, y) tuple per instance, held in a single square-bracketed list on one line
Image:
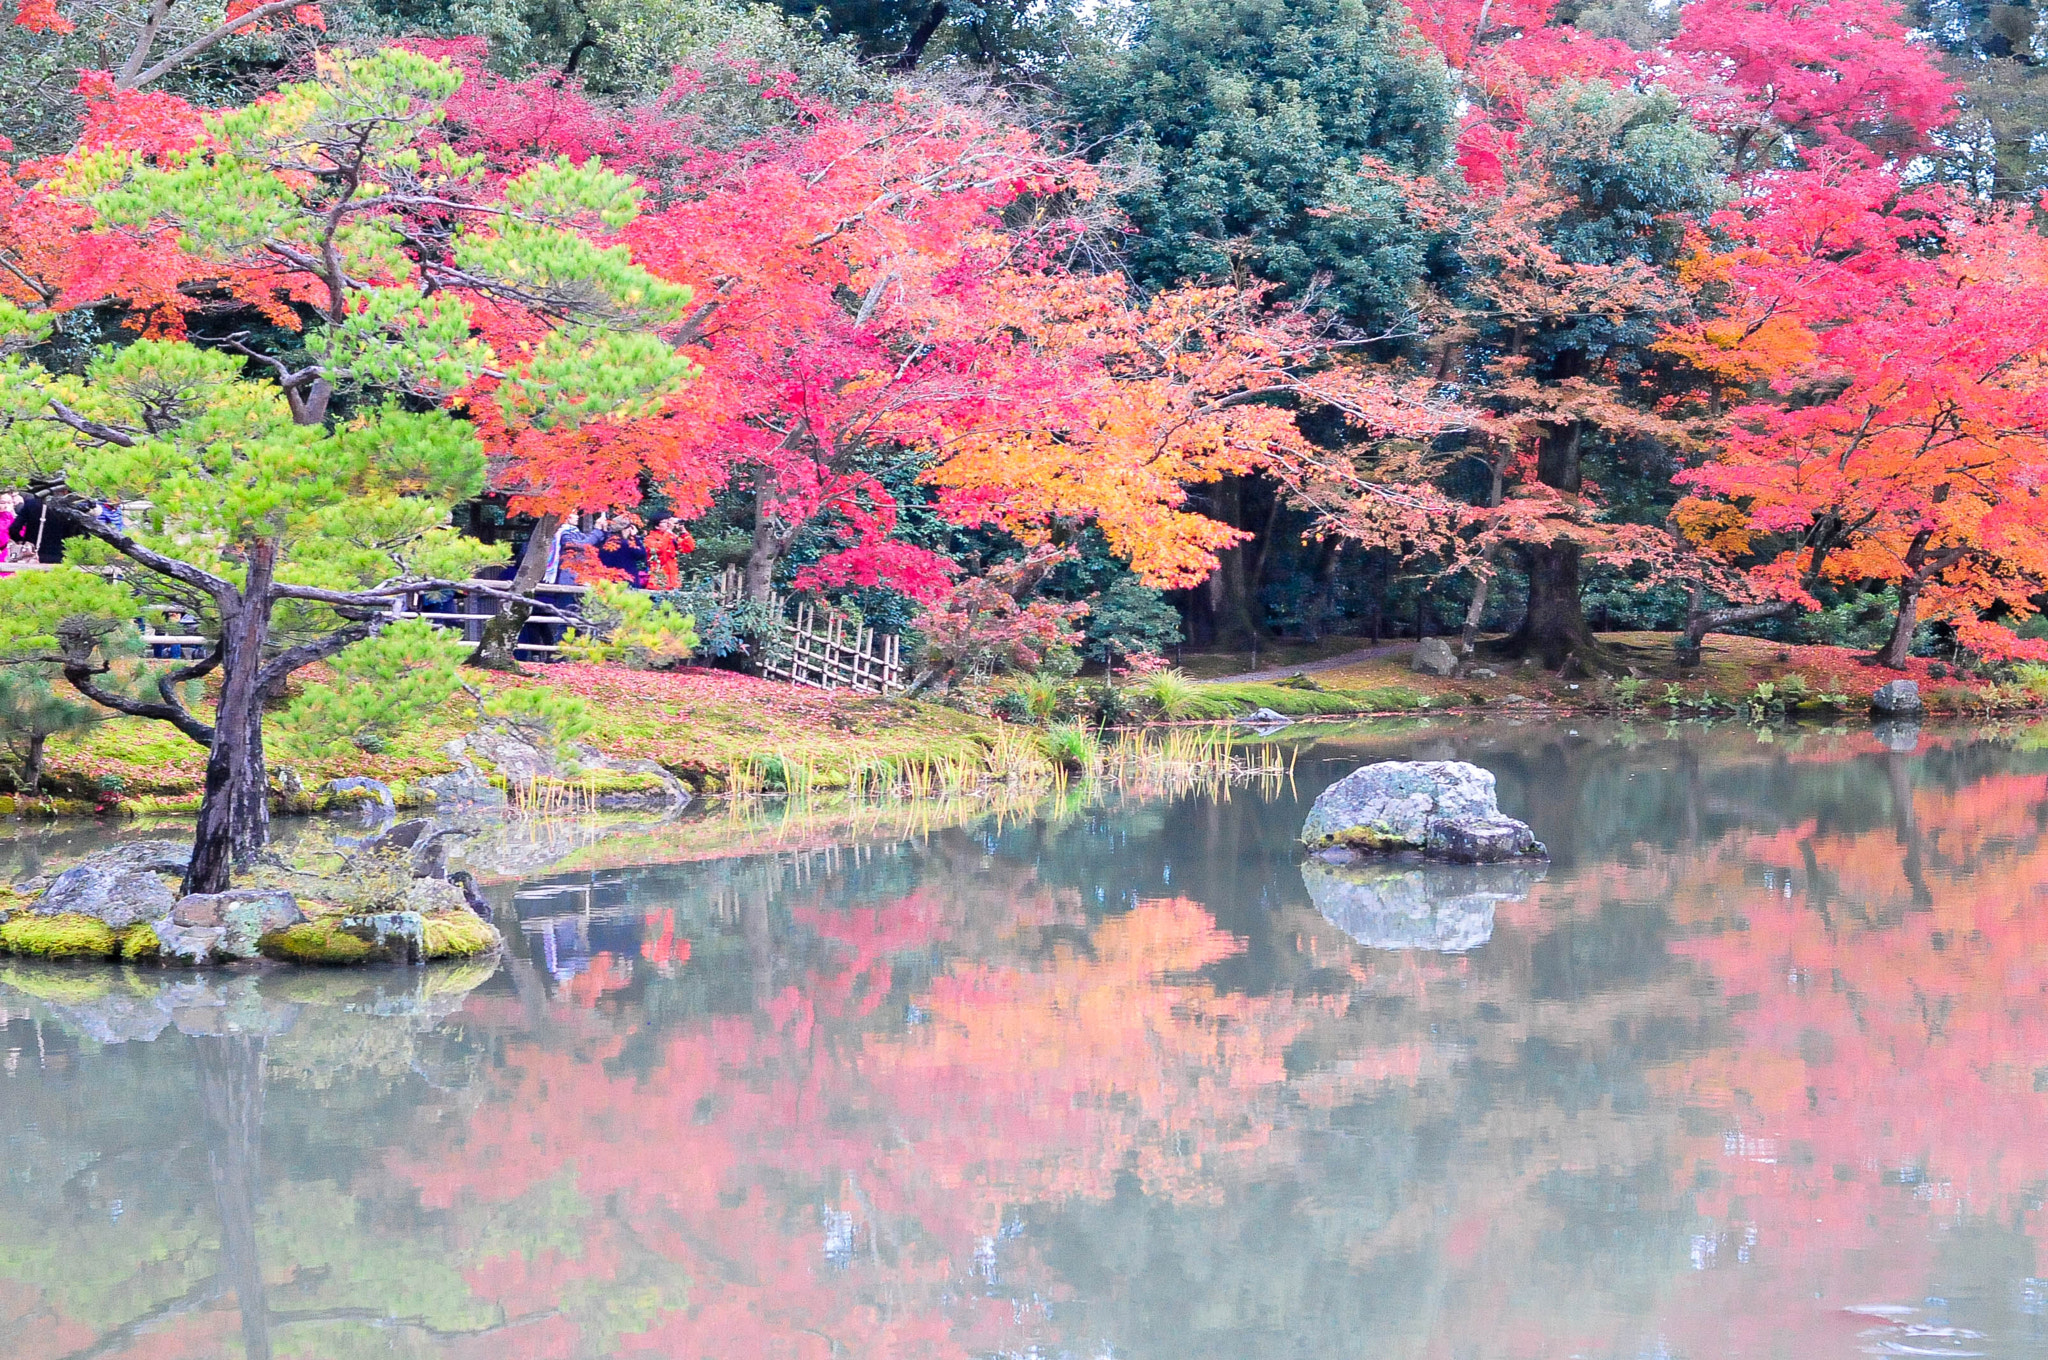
[(1758, 1067)]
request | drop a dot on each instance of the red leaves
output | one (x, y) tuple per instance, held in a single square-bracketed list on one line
[(1901, 438), (1824, 70), (918, 572), (42, 16), (144, 121)]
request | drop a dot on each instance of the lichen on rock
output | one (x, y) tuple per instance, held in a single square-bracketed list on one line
[(326, 941), (382, 937)]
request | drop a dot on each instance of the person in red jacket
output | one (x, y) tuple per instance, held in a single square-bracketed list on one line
[(665, 542)]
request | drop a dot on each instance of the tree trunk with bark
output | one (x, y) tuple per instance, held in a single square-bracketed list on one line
[(498, 650), (1554, 629), (1475, 612), (1700, 622), (1898, 648), (234, 810), (1230, 588), (772, 540)]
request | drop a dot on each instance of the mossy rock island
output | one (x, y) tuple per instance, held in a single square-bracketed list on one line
[(387, 900)]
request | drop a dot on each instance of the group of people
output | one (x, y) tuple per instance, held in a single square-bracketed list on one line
[(30, 533), (620, 551)]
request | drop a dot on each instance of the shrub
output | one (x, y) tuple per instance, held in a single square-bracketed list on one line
[(1070, 748), (631, 627), (548, 717)]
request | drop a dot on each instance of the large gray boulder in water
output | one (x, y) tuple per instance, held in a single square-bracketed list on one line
[(1446, 809), (1388, 904)]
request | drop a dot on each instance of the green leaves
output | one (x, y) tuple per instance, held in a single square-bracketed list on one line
[(560, 272), (222, 464), (550, 718), (1269, 125), (563, 191), (36, 605), (577, 375), (630, 627), (397, 338), (382, 684)]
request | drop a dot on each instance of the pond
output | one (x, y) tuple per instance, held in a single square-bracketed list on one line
[(1758, 1066)]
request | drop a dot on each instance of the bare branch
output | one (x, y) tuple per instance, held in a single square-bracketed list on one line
[(80, 670), (200, 44), (106, 434), (80, 514), (279, 667)]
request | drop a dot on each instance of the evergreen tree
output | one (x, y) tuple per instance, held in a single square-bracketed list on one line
[(1274, 132)]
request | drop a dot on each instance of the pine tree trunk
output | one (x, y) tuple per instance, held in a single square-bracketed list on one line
[(1554, 629), (32, 768), (498, 649), (234, 811)]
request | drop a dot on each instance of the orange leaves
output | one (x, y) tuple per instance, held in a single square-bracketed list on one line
[(1198, 383)]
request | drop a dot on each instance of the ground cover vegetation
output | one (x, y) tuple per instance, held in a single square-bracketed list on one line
[(1057, 338)]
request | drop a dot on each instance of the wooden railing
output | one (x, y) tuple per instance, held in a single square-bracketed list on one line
[(464, 616), (817, 647), (822, 648)]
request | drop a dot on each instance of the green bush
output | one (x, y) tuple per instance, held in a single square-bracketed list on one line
[(1070, 748)]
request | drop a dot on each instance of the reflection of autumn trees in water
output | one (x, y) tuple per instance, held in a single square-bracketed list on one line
[(1875, 1125), (1765, 1044), (846, 1162)]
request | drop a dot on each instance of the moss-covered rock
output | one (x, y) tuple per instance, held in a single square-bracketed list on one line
[(460, 934), (67, 935), (380, 937), (141, 945), (326, 941)]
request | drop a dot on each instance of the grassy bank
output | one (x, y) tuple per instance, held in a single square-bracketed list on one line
[(718, 731), (707, 727), (1730, 675)]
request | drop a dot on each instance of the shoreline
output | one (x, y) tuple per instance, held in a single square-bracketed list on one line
[(718, 731)]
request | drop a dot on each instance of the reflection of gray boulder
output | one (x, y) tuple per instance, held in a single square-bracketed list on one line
[(1444, 808), (1391, 904)]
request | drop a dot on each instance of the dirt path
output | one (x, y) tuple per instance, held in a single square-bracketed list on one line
[(1328, 663)]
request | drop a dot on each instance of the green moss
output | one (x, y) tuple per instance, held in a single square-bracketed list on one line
[(69, 936), (316, 942), (1294, 701), (140, 944), (459, 935)]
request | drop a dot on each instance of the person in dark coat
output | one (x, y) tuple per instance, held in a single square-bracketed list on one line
[(42, 528)]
